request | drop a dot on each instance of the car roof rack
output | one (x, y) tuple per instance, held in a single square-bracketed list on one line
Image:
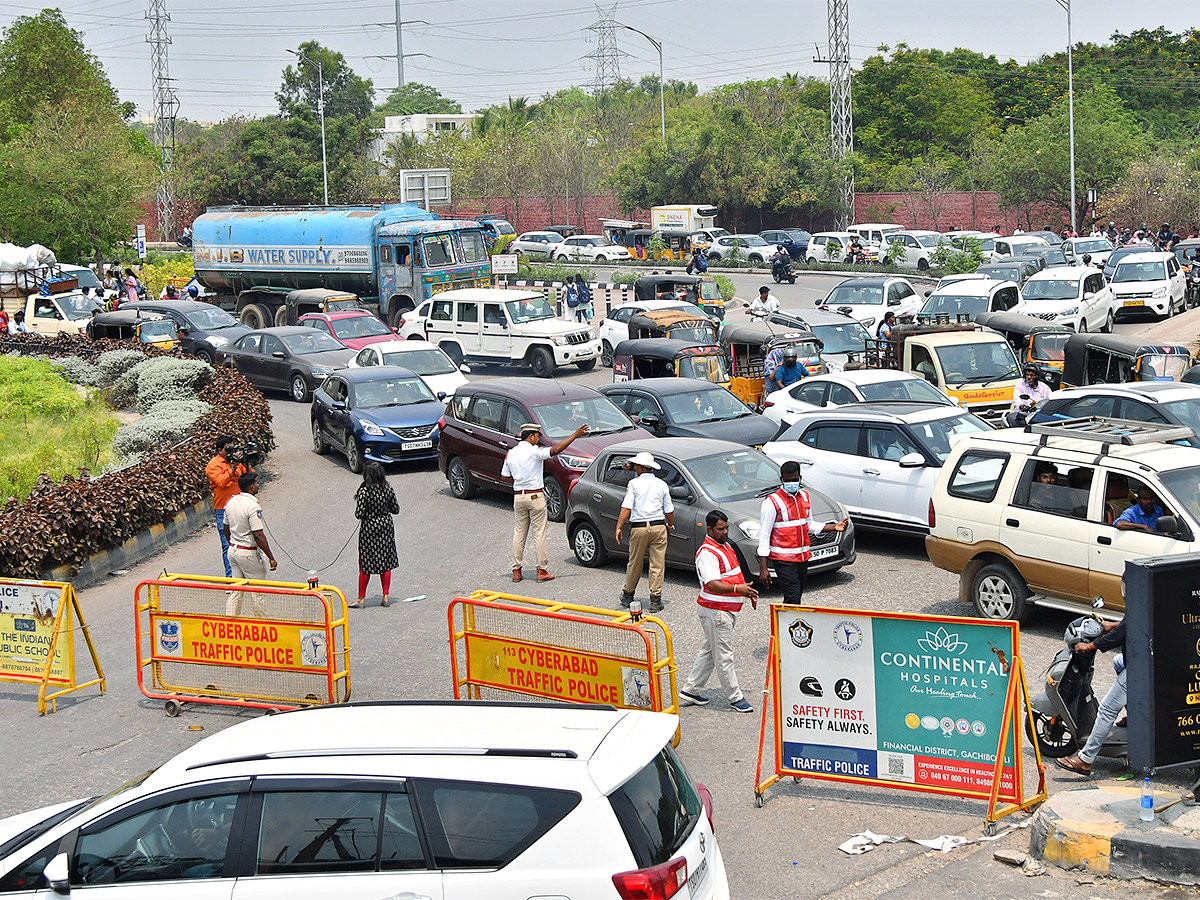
[(1125, 432)]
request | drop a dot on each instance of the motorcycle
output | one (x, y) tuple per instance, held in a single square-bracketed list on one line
[(857, 256), (1193, 285), (1065, 711), (781, 270)]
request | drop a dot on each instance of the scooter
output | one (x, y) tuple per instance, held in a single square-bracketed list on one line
[(1065, 711), (782, 271)]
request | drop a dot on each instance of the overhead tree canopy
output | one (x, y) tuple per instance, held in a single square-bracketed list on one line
[(416, 98)]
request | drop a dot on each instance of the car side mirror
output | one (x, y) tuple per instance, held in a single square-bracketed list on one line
[(58, 874), (279, 354), (1088, 295), (911, 461), (680, 492), (441, 395), (893, 301), (1172, 527), (927, 293), (465, 369), (337, 404)]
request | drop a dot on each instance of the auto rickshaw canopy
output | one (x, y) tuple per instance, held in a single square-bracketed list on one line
[(1114, 359)]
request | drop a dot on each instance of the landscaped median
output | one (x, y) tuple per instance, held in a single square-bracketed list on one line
[(173, 408)]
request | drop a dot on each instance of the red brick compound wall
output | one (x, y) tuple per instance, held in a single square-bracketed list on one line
[(971, 210)]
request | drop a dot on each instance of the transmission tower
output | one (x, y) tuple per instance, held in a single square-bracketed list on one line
[(841, 116), (607, 56), (165, 106)]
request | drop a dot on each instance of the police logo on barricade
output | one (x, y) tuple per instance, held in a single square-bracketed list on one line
[(801, 633), (168, 636)]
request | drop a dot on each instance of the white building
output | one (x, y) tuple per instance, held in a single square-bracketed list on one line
[(420, 126)]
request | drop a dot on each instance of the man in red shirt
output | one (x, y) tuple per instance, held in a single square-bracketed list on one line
[(722, 589), (784, 527), (223, 479)]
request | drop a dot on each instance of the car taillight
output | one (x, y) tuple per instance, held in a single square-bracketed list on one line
[(932, 514), (767, 404), (442, 426), (571, 487), (707, 800), (657, 883), (601, 322)]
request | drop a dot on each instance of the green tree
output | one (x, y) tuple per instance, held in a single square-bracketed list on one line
[(345, 93), (416, 98)]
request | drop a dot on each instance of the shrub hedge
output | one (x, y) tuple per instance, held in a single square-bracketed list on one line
[(63, 522)]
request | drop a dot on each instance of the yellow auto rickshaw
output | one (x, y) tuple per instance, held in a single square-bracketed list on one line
[(134, 325), (747, 348), (666, 358)]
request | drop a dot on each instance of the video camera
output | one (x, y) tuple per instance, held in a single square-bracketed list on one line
[(246, 453)]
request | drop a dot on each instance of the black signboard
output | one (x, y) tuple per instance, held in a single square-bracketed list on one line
[(1162, 651)]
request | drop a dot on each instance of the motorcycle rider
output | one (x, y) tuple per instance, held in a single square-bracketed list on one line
[(1164, 236), (1110, 707), (698, 264), (781, 262), (764, 304), (1028, 394), (789, 371), (856, 253)]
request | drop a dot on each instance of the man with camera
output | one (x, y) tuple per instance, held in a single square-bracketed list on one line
[(223, 471)]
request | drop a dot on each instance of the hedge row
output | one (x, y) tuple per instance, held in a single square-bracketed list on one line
[(64, 522)]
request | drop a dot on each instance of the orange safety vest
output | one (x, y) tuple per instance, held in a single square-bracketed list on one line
[(789, 537), (730, 571)]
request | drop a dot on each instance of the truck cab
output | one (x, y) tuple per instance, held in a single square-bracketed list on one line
[(65, 313)]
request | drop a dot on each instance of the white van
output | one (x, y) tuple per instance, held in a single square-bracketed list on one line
[(494, 325), (66, 313), (1015, 245), (874, 233), (1151, 280)]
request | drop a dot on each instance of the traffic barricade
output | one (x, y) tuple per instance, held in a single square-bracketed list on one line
[(38, 620), (505, 646), (240, 642)]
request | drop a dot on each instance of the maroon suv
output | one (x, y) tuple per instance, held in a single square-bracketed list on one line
[(483, 422)]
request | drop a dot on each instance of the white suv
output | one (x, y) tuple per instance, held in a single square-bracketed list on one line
[(1075, 296), (425, 799), (1151, 281)]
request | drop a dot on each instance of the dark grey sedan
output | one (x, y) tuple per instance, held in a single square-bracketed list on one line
[(688, 407), (294, 358), (703, 475)]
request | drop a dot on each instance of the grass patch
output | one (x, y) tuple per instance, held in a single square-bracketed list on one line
[(47, 427)]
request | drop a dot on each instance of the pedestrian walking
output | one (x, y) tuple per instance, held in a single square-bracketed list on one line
[(374, 505), (223, 475), (523, 467), (785, 524), (723, 588), (131, 286), (648, 510), (583, 312), (247, 544)]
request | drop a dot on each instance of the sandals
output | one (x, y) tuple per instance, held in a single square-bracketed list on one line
[(386, 601), (357, 604), (1074, 764)]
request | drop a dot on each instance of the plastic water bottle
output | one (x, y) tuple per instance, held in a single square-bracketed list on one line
[(1147, 801)]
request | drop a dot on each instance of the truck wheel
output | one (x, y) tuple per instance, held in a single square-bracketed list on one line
[(460, 479), (588, 545), (254, 316), (606, 355), (1000, 593), (586, 365), (541, 362), (281, 317)]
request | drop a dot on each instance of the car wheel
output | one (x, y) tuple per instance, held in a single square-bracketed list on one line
[(923, 265), (319, 446), (556, 503), (606, 355), (1081, 327), (454, 352), (586, 365), (353, 454), (588, 545), (756, 259), (1000, 593), (299, 389), (254, 316), (714, 257), (281, 317), (541, 362), (205, 356), (460, 479), (1109, 322)]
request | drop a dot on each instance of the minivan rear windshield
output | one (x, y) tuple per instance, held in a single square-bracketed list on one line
[(657, 808)]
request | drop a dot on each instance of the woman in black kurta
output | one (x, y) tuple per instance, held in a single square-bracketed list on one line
[(375, 504)]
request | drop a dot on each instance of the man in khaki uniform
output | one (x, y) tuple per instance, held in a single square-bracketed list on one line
[(648, 510)]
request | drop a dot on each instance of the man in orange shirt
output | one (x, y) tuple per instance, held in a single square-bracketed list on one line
[(223, 479)]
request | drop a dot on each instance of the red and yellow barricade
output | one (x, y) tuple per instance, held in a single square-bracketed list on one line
[(240, 642), (503, 645)]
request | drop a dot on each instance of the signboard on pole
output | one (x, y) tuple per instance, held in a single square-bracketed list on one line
[(141, 241), (504, 264), (923, 703)]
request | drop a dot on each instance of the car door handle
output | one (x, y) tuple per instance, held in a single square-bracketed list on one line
[(468, 431), (1104, 539), (1012, 523), (870, 471), (598, 497)]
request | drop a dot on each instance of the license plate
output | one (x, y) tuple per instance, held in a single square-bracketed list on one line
[(697, 877), (1135, 303), (824, 552), (416, 445)]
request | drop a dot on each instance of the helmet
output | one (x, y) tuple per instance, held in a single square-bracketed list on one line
[(1083, 630), (193, 290), (812, 687), (789, 354), (1166, 224), (1030, 367), (1112, 224)]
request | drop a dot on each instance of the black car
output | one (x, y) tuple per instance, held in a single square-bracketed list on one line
[(1110, 266), (1052, 256), (688, 407), (204, 329), (294, 358), (1008, 270)]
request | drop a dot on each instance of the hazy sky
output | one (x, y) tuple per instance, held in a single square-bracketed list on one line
[(226, 57)]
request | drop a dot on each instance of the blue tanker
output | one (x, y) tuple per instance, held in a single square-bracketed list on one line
[(394, 256)]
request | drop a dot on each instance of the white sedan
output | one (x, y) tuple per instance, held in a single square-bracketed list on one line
[(852, 386), (589, 246), (436, 369)]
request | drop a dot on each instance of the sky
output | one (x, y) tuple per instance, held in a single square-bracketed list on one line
[(226, 56)]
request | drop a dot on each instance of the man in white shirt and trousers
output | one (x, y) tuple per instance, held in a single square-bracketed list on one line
[(523, 467), (648, 510)]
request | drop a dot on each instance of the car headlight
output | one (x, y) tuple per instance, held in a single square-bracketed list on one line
[(1159, 293), (559, 340), (322, 370), (1069, 311), (575, 462), (750, 529), (216, 341), (371, 428)]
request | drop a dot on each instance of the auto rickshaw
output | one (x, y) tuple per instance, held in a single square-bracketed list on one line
[(699, 290), (667, 358), (1033, 341), (747, 347), (673, 323), (1112, 359), (313, 300), (134, 325)]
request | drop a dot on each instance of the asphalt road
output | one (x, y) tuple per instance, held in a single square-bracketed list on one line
[(449, 548)]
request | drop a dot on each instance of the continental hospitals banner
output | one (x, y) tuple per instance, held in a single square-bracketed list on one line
[(913, 702)]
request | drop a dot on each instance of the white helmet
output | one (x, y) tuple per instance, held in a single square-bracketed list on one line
[(1085, 629)]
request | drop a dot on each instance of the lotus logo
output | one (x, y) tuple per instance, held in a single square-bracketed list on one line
[(941, 640)]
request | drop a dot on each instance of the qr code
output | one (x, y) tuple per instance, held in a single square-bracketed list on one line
[(895, 765)]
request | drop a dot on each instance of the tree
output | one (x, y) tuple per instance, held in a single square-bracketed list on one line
[(345, 93), (416, 98)]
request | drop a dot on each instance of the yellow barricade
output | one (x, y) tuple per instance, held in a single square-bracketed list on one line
[(240, 642), (37, 638), (504, 645)]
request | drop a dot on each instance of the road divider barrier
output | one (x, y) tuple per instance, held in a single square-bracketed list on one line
[(503, 647), (38, 620), (240, 642)]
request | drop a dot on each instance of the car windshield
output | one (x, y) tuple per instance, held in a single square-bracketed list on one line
[(1002, 274), (712, 405), (558, 420), (954, 305), (977, 363), (1184, 486), (856, 295), (750, 240), (936, 434), (797, 235), (694, 333), (358, 327), (903, 389), (736, 475), (1099, 245), (1051, 289), (391, 392), (711, 367), (1140, 271), (529, 309), (1048, 347), (211, 319), (848, 337), (503, 228), (423, 362), (77, 306), (1052, 257), (928, 240), (1186, 412), (717, 232), (315, 342)]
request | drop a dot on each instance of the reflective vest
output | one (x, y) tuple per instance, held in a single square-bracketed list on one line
[(731, 572), (789, 537)]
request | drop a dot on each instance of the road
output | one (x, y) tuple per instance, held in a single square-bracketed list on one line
[(448, 548)]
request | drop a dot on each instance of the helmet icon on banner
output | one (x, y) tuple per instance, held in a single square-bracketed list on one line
[(812, 687)]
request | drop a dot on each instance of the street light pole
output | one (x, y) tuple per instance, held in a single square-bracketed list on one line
[(321, 113), (662, 103), (1066, 5)]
